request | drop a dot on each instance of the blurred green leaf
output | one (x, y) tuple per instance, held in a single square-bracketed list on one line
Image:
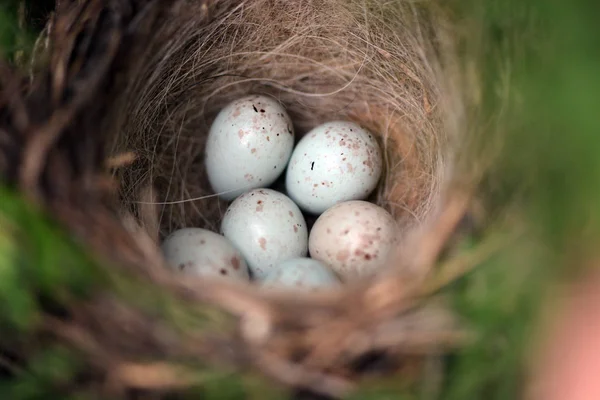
[(45, 260), (17, 306), (384, 391), (55, 365), (13, 37), (539, 63)]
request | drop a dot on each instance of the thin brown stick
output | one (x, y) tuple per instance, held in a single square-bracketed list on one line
[(81, 339), (12, 95), (436, 236), (151, 376), (121, 160)]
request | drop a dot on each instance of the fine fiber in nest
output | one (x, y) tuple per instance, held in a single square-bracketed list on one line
[(366, 61)]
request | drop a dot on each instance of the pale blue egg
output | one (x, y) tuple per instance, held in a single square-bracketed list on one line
[(267, 227), (335, 162), (248, 145), (202, 253), (301, 274)]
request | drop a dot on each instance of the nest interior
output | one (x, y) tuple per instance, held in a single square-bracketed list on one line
[(323, 60)]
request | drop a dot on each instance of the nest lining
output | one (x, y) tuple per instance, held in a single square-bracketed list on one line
[(323, 60)]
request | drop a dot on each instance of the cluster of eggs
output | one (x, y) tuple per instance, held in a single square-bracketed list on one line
[(264, 235)]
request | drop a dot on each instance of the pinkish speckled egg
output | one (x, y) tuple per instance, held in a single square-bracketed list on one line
[(248, 146), (354, 238), (337, 161), (200, 252), (267, 227), (301, 274)]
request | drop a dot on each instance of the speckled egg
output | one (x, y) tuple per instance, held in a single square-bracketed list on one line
[(267, 227), (354, 238), (200, 252), (248, 145), (302, 274), (337, 161)]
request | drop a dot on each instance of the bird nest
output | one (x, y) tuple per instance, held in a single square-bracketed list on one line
[(108, 132)]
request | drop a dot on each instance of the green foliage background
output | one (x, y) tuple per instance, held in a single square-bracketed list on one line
[(539, 63)]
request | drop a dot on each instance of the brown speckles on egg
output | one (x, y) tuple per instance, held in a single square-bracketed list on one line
[(235, 263), (202, 253), (264, 226), (249, 177), (245, 127), (259, 206), (342, 255), (339, 154), (358, 250)]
